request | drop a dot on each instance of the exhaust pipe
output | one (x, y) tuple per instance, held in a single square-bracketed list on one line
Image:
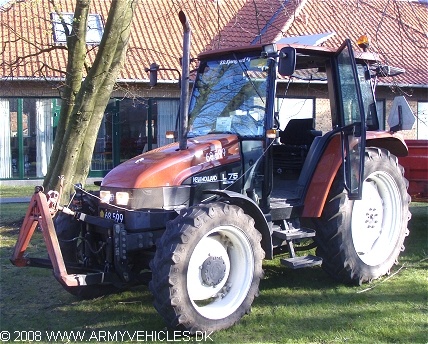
[(184, 97)]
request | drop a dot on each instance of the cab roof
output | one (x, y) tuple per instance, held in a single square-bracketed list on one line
[(302, 50)]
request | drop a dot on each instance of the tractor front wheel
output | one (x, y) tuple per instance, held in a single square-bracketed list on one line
[(207, 268)]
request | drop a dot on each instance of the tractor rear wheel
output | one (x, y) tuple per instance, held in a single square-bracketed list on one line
[(361, 240), (207, 268)]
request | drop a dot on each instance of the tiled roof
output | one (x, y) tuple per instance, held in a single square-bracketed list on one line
[(398, 31)]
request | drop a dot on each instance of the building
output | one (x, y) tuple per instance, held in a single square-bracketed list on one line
[(33, 61)]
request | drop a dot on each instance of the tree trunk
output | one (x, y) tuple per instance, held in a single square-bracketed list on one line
[(119, 27), (74, 152), (76, 43)]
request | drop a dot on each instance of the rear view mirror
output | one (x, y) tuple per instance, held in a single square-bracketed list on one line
[(287, 61), (401, 116), (383, 70)]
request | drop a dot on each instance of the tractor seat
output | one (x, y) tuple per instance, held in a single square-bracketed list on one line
[(296, 140)]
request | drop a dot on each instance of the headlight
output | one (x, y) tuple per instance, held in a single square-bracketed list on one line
[(122, 198), (105, 196)]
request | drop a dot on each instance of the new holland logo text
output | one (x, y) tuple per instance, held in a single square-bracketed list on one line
[(204, 179)]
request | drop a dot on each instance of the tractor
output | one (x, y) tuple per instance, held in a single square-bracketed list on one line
[(242, 182)]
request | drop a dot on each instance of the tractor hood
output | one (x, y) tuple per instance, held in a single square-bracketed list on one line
[(169, 166)]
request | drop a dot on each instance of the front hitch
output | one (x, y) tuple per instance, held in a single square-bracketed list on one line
[(40, 213)]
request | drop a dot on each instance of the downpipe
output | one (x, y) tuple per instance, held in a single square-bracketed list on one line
[(184, 97)]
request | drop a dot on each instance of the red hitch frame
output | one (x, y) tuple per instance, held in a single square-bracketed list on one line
[(40, 214)]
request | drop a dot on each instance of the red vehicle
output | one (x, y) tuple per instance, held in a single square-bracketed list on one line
[(196, 218), (416, 169)]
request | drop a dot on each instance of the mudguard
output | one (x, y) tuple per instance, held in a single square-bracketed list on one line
[(252, 209), (330, 162)]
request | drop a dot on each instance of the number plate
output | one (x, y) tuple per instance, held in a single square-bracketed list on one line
[(116, 216)]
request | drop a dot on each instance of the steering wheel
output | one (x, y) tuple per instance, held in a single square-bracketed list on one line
[(245, 125), (255, 107)]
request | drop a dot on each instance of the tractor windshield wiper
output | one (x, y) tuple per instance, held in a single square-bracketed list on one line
[(245, 70)]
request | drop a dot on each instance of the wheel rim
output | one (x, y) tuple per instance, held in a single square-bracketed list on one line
[(376, 219), (218, 291)]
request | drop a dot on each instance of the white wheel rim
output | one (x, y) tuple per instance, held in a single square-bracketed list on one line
[(207, 247), (222, 299), (376, 219)]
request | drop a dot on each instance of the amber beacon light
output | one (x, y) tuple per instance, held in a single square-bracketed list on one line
[(363, 42)]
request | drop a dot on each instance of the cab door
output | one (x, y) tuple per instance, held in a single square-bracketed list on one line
[(351, 119)]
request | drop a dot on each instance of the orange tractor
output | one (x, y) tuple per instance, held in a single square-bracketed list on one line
[(244, 182)]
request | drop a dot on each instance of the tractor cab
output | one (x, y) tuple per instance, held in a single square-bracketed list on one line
[(244, 92)]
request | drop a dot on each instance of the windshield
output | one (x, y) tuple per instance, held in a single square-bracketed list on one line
[(229, 97)]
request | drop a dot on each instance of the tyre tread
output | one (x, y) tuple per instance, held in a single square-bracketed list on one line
[(331, 229), (169, 300)]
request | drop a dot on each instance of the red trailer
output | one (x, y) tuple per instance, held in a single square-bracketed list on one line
[(416, 169)]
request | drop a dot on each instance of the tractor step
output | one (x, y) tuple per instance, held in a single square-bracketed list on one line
[(294, 234), (301, 262)]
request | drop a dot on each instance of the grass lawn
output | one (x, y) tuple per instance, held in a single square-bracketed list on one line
[(28, 190), (16, 191), (294, 306)]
